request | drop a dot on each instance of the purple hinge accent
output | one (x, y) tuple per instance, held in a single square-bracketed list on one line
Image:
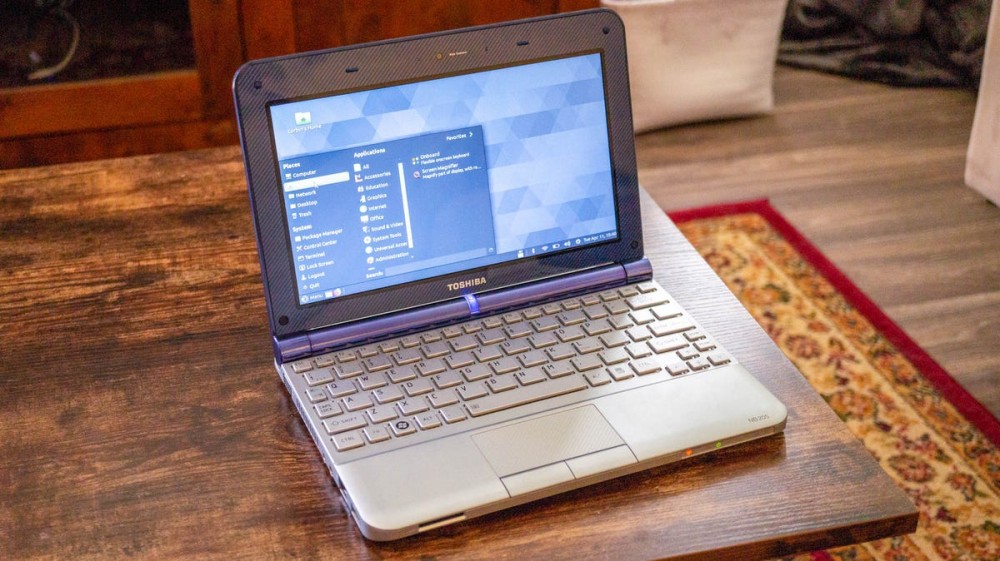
[(605, 276), (640, 270), (291, 348)]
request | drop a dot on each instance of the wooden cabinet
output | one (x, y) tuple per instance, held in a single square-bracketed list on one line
[(193, 108)]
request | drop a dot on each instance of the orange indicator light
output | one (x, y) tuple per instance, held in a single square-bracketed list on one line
[(688, 452)]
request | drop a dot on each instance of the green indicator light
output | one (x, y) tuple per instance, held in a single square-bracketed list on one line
[(718, 444)]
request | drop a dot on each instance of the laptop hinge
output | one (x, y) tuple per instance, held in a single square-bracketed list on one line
[(638, 271), (466, 307)]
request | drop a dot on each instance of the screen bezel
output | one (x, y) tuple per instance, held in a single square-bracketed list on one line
[(262, 83)]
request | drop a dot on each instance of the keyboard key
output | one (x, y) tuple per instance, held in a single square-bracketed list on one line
[(458, 360), (677, 368), (571, 304), (687, 354), (621, 321), (303, 365), (434, 350), (646, 287), (671, 326), (615, 339), (560, 352), (348, 441), (430, 367), (316, 395), (381, 413), (453, 414), (571, 333), (638, 334), (410, 341), (697, 364), (388, 394), (487, 354), (476, 372), (325, 360), (348, 370), (417, 387), (517, 330), (403, 427), (471, 328), (443, 398), (704, 346), (515, 347), (638, 350), (367, 351), (490, 336), (693, 336), (596, 312), (642, 301), (617, 308), (472, 390), (614, 356), (667, 344), (346, 356), (532, 358), (718, 359), (597, 377), (542, 340), (317, 377), (504, 365), (357, 402), (586, 362), (464, 343), (372, 381), (572, 317), (328, 409), (544, 324), (447, 379), (645, 366), (412, 406), (492, 322), (512, 317), (429, 420), (595, 328), (451, 331), (531, 376), (558, 369), (620, 372), (667, 311), (376, 434), (341, 388), (525, 395), (407, 356), (401, 374), (344, 423), (641, 317), (388, 346), (502, 383)]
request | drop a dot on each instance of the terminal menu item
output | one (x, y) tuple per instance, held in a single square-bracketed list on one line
[(384, 213)]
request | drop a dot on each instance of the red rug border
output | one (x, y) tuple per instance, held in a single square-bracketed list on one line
[(964, 402)]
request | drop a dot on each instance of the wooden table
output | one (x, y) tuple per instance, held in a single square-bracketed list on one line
[(140, 414)]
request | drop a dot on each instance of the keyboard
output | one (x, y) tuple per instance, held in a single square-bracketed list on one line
[(445, 380)]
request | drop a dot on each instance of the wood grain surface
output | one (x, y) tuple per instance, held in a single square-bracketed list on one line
[(141, 417), (872, 175)]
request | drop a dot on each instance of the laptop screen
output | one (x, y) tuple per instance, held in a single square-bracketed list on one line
[(402, 183)]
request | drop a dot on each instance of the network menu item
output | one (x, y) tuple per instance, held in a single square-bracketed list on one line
[(373, 216)]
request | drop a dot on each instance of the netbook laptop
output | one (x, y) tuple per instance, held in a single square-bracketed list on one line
[(452, 256)]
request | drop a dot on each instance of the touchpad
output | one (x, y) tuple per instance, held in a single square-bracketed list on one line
[(545, 440)]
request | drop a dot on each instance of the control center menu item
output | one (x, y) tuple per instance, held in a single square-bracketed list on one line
[(387, 213)]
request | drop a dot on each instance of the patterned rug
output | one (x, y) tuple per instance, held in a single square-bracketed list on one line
[(936, 441)]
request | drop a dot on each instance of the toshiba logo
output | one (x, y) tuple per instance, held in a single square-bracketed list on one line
[(467, 283)]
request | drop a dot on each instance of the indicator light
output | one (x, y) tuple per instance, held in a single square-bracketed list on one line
[(718, 445), (688, 452)]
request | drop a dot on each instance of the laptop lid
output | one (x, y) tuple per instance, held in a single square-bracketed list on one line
[(394, 175)]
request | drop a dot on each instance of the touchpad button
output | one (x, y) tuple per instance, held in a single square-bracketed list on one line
[(545, 440)]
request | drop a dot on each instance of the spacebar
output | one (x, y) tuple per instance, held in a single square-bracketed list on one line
[(527, 394)]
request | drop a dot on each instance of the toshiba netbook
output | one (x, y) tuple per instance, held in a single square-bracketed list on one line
[(451, 249)]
